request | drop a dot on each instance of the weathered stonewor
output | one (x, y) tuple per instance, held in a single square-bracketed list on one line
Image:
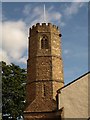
[(44, 71)]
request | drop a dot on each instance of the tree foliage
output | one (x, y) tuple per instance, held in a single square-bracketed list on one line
[(13, 89)]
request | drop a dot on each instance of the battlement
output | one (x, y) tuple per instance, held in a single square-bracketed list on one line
[(43, 27)]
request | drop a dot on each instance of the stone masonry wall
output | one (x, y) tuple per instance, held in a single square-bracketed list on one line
[(45, 68)]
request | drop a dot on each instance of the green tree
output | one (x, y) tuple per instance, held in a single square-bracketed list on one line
[(13, 89)]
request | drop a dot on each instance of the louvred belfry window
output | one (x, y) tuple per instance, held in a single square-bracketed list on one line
[(44, 43)]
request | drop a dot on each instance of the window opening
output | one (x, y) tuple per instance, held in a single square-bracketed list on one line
[(44, 43), (44, 90)]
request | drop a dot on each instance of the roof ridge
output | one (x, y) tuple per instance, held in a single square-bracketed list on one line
[(73, 81)]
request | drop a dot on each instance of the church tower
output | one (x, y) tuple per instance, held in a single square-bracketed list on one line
[(44, 71)]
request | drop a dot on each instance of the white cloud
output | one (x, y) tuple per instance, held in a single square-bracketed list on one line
[(23, 60), (0, 13), (27, 9), (38, 15), (0, 35), (54, 16), (4, 56), (66, 51), (14, 41), (32, 15), (62, 24), (73, 8), (51, 8), (14, 32)]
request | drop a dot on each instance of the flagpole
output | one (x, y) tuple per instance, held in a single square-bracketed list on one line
[(44, 14)]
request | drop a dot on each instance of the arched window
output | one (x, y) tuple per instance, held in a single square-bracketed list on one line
[(44, 43)]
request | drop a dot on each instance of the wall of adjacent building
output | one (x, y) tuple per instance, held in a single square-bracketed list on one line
[(74, 99)]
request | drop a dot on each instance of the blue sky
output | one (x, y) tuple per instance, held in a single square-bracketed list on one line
[(70, 17), (45, 0)]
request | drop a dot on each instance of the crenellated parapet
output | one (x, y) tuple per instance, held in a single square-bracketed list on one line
[(44, 28)]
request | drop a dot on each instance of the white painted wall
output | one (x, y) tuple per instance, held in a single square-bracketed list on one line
[(74, 99)]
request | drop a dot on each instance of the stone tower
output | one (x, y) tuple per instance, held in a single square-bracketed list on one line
[(44, 71)]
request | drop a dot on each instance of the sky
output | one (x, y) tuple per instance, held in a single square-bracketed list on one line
[(70, 17), (45, 0)]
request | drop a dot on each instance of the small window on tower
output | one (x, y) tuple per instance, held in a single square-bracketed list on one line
[(44, 43), (44, 90)]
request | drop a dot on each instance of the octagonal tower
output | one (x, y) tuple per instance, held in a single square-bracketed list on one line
[(44, 70)]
